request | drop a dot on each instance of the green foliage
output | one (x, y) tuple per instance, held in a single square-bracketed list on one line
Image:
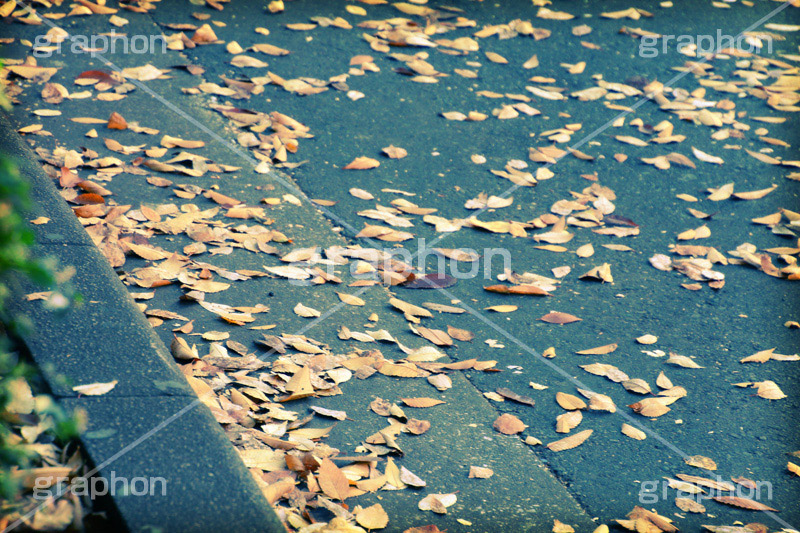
[(15, 258)]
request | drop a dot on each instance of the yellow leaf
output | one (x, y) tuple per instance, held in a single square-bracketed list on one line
[(373, 517), (570, 442), (349, 299), (95, 389), (502, 308)]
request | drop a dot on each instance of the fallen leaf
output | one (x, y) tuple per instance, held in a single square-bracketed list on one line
[(95, 389), (373, 517), (394, 152), (700, 461), (350, 299), (690, 506), (502, 308), (509, 424), (600, 350), (744, 503), (421, 402), (438, 503), (647, 339), (332, 480), (633, 432), (480, 472), (570, 442), (569, 401), (362, 163), (566, 422), (557, 317)]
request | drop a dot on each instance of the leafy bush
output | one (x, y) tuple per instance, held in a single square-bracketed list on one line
[(21, 403)]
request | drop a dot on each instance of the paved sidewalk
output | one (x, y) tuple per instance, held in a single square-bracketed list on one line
[(107, 338)]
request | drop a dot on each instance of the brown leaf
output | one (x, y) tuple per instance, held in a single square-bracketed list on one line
[(417, 427), (769, 389), (373, 517), (502, 308), (722, 193), (647, 339), (723, 486), (394, 152), (700, 461), (350, 299), (436, 336), (526, 289), (332, 480), (650, 407), (600, 350), (421, 402), (438, 503), (744, 503), (600, 273), (462, 335), (496, 58), (633, 432), (430, 281), (557, 317), (116, 122), (754, 195), (362, 163), (511, 395), (509, 424), (480, 472), (570, 442), (95, 389), (568, 421), (569, 402), (689, 505)]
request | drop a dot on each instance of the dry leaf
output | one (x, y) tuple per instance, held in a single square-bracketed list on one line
[(350, 299), (362, 163), (600, 350), (647, 339), (557, 317), (769, 389), (569, 401), (509, 424), (394, 152), (650, 407), (421, 402), (570, 442), (700, 461), (332, 480), (568, 421), (513, 396), (690, 506), (480, 472), (744, 503), (502, 308), (373, 517), (633, 432), (438, 503), (95, 389), (682, 360)]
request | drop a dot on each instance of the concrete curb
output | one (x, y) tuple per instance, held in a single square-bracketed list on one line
[(207, 487)]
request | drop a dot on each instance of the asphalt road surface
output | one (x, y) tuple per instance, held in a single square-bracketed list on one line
[(360, 114)]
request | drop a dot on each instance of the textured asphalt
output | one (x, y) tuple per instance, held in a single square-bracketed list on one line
[(745, 435)]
